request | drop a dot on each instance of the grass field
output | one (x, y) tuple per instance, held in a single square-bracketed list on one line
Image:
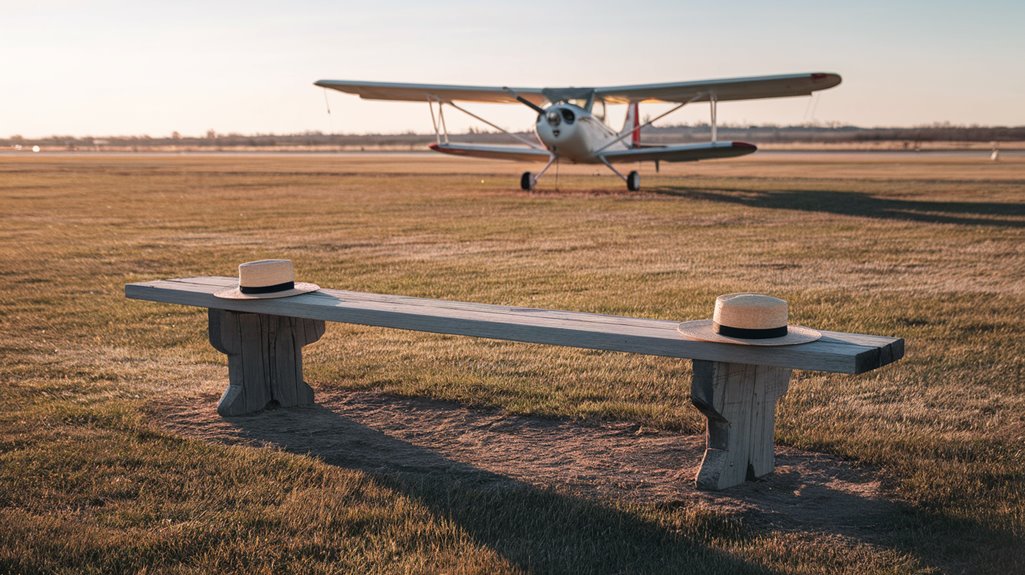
[(95, 477)]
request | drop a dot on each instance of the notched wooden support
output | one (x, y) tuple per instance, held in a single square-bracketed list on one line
[(265, 365), (740, 403)]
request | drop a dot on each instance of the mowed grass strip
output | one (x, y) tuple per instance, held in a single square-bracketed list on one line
[(927, 248)]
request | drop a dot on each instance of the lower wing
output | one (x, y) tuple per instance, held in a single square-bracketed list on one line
[(515, 153), (681, 153)]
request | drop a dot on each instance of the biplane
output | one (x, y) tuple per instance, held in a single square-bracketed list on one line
[(570, 127)]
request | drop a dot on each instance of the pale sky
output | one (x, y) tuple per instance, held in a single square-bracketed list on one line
[(131, 67)]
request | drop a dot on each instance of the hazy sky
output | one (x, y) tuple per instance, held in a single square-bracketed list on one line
[(134, 67)]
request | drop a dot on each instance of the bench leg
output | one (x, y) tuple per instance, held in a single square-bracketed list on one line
[(265, 363), (740, 404)]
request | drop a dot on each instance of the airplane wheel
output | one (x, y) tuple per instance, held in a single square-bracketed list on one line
[(633, 181), (527, 181)]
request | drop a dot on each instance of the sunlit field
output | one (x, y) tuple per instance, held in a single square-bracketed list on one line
[(112, 459)]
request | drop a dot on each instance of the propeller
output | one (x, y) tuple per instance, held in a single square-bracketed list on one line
[(524, 101)]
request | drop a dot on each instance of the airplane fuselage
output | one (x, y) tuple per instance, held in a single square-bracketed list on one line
[(572, 133)]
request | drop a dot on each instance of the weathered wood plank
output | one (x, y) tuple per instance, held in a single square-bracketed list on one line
[(835, 352), (739, 402), (255, 376), (867, 340), (283, 374), (264, 359)]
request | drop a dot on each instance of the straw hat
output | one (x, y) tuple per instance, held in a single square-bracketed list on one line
[(748, 319), (265, 279)]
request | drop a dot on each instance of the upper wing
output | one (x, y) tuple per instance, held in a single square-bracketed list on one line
[(423, 92), (724, 89), (515, 153), (681, 153), (702, 90)]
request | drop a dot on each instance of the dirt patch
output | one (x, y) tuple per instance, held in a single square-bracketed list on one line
[(384, 434)]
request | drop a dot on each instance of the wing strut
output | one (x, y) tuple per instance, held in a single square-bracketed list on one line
[(434, 121), (713, 105), (638, 128), (495, 126), (440, 127), (441, 116)]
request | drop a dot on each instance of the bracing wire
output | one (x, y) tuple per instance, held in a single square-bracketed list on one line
[(810, 107)]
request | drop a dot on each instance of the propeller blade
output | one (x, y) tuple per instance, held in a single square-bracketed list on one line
[(524, 101)]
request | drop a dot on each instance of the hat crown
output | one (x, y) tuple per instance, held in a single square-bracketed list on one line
[(750, 311), (263, 273)]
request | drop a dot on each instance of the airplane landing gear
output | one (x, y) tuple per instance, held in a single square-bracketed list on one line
[(527, 181), (633, 181)]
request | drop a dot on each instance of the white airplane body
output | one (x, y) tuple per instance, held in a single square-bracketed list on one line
[(568, 129)]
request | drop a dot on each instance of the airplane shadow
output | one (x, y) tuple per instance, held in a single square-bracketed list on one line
[(859, 204), (543, 530)]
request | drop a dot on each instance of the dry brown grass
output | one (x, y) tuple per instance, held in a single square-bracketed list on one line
[(931, 248)]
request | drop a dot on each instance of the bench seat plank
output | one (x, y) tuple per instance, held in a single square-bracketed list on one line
[(835, 352)]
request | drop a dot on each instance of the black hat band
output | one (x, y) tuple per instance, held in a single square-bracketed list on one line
[(267, 289), (745, 333)]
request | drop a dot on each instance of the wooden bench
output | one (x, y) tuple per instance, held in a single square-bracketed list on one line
[(735, 387)]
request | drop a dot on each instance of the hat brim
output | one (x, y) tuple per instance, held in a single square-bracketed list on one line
[(701, 330), (299, 289)]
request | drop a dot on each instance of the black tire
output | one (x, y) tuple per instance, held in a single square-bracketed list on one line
[(633, 181), (527, 181)]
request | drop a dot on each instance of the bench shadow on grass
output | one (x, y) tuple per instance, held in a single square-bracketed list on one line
[(993, 214), (537, 530), (544, 531)]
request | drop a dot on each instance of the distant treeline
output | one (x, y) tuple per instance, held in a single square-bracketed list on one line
[(678, 133), (836, 134)]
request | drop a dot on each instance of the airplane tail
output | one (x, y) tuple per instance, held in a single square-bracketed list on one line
[(632, 122)]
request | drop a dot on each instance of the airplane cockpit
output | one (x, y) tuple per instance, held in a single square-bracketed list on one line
[(556, 116)]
